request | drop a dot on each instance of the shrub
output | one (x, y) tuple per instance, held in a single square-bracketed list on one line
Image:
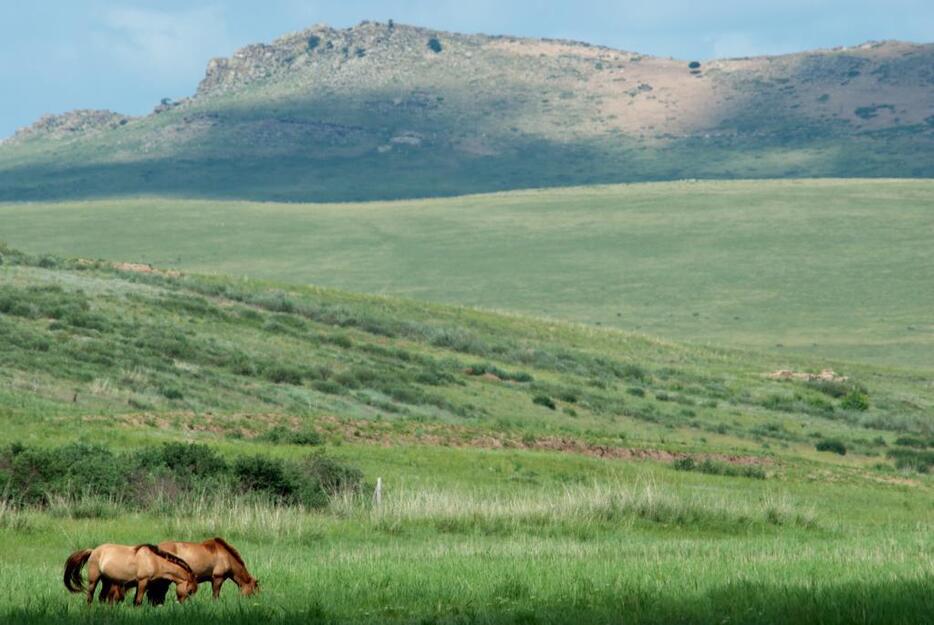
[(313, 42), (435, 45), (712, 467), (832, 445), (265, 475), (160, 475), (911, 441), (283, 374), (855, 400), (487, 368), (632, 372), (332, 476), (834, 388), (694, 65), (544, 400), (913, 460), (170, 392), (636, 391), (182, 461), (281, 435)]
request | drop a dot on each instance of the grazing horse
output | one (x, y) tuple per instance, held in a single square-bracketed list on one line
[(118, 565), (213, 560)]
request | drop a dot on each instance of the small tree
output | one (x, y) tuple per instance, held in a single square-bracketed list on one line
[(434, 45), (694, 65)]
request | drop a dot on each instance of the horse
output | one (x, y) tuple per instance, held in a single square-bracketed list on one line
[(118, 565), (213, 560)]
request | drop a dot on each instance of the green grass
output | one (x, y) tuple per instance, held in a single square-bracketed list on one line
[(830, 269), (644, 546), (496, 508)]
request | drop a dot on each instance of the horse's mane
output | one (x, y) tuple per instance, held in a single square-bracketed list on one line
[(236, 554), (171, 557)]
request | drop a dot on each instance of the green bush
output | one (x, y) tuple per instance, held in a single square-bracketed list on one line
[(283, 374), (855, 400), (280, 435), (831, 445), (911, 441), (170, 472), (544, 400), (912, 460), (435, 45), (713, 467)]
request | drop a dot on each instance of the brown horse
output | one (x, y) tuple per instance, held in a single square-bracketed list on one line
[(118, 565), (213, 560)]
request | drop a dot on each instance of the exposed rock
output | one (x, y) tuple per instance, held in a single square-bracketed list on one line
[(70, 124), (826, 375)]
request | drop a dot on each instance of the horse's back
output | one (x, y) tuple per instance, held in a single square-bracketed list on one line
[(197, 555), (118, 562)]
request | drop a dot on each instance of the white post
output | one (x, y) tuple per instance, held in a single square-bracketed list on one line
[(378, 493)]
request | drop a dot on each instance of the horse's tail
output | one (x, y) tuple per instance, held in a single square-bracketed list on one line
[(73, 566)]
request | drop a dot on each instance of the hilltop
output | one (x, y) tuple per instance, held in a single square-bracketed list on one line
[(387, 111)]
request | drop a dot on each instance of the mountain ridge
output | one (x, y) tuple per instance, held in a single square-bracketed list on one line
[(445, 113)]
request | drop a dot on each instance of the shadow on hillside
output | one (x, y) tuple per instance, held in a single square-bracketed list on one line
[(439, 171), (882, 603)]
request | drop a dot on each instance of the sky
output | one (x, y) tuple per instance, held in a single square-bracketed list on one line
[(126, 55)]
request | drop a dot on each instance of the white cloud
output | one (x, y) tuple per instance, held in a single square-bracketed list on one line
[(167, 43)]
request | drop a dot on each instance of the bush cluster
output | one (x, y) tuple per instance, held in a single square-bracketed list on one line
[(172, 471), (281, 435), (487, 368), (712, 467), (912, 459)]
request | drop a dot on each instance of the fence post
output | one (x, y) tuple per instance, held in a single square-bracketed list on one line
[(378, 492)]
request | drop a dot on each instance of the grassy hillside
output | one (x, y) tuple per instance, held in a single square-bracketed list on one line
[(534, 471), (385, 111), (831, 268)]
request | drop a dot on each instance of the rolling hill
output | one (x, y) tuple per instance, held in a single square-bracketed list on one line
[(829, 268), (384, 111)]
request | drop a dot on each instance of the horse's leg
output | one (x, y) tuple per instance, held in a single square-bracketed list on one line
[(94, 574), (140, 591), (117, 593), (107, 590), (157, 591), (216, 582)]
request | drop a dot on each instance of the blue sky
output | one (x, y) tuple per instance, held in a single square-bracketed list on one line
[(125, 55)]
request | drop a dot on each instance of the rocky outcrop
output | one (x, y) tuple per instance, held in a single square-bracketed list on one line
[(71, 124)]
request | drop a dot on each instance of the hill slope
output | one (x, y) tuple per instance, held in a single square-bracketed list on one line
[(85, 339), (388, 111), (831, 268)]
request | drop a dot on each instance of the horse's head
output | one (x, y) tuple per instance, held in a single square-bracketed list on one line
[(249, 587), (186, 587)]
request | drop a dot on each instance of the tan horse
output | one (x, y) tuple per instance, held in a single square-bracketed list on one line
[(118, 565), (213, 560)]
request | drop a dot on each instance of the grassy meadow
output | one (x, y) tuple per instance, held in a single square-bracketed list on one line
[(534, 471), (805, 266)]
